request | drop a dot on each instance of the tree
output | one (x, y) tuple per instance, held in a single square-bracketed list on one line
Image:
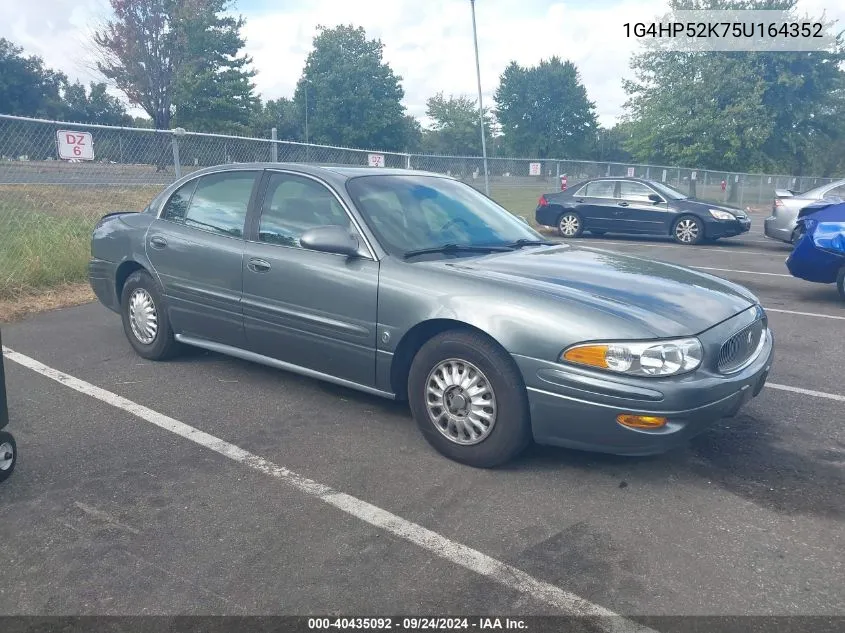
[(734, 111), (455, 130), (27, 88), (213, 91), (280, 114), (544, 110), (94, 106), (354, 98), (610, 144)]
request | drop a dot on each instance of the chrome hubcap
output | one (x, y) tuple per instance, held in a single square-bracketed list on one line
[(143, 318), (569, 225), (6, 450), (687, 230), (460, 402)]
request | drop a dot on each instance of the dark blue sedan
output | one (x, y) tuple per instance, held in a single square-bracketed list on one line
[(636, 206)]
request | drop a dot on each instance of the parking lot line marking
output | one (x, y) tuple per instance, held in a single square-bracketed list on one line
[(436, 543), (807, 392), (809, 314), (676, 246), (744, 272)]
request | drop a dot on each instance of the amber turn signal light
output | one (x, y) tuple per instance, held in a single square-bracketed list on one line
[(641, 421)]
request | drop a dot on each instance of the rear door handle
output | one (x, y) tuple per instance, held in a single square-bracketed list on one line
[(258, 265), (158, 242), (622, 204), (579, 200)]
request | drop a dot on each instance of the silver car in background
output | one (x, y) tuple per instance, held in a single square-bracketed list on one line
[(781, 225)]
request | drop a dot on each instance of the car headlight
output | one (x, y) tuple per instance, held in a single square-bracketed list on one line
[(722, 215), (638, 358)]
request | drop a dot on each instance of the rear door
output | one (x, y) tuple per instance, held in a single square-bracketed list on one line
[(596, 202), (196, 248), (308, 308), (637, 214)]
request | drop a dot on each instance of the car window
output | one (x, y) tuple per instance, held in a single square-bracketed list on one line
[(294, 204), (837, 192), (177, 206), (634, 191), (600, 189), (220, 202)]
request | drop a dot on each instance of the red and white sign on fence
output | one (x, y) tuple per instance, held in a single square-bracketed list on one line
[(375, 160), (75, 145), (535, 169)]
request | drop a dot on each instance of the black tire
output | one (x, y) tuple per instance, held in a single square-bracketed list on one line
[(572, 219), (684, 237), (7, 467), (510, 432), (840, 282), (163, 345)]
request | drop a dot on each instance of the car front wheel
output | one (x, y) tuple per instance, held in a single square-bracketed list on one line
[(688, 230), (468, 399), (145, 321), (8, 455), (570, 224)]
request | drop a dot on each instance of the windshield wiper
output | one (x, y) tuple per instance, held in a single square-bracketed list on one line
[(458, 248), (526, 242)]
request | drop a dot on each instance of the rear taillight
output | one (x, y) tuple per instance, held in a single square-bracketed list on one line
[(543, 202), (778, 202)]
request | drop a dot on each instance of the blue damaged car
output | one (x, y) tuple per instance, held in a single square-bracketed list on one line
[(819, 255)]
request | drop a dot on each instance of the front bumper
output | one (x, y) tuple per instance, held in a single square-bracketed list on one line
[(577, 408), (727, 228)]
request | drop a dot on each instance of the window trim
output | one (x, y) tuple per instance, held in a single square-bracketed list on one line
[(578, 194), (258, 173), (258, 210)]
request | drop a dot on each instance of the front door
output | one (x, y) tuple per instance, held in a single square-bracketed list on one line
[(196, 248), (308, 308)]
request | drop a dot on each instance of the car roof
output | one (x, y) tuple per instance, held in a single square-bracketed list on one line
[(343, 171)]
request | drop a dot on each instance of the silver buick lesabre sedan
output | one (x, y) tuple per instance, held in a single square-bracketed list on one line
[(412, 285)]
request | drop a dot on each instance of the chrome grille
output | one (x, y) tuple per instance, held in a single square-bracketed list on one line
[(741, 348)]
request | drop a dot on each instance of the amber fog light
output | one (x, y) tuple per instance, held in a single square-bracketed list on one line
[(641, 421)]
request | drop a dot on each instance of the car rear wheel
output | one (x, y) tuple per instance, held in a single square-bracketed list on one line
[(145, 321), (8, 455), (840, 282), (468, 399), (570, 224), (688, 230)]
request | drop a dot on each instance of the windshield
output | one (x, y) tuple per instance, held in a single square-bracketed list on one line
[(410, 213), (666, 190)]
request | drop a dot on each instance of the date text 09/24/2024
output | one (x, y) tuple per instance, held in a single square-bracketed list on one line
[(415, 624)]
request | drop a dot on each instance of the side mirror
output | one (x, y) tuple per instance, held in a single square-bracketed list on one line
[(330, 239), (655, 198)]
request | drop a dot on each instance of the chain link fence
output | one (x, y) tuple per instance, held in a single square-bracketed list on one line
[(57, 179)]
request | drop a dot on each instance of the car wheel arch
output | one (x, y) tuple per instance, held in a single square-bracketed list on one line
[(123, 271), (415, 338)]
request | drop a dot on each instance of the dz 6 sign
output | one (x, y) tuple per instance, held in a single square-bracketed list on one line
[(75, 145)]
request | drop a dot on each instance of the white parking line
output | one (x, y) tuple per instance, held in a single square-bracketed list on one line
[(807, 392), (678, 246), (743, 272), (809, 314), (457, 553)]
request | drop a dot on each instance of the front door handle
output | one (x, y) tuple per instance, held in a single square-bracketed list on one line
[(158, 242), (622, 204), (258, 265), (579, 200)]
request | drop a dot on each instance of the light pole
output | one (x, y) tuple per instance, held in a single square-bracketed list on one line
[(307, 146), (480, 104)]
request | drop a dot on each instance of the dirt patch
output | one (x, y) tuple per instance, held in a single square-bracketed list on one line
[(63, 296)]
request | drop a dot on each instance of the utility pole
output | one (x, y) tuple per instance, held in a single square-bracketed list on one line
[(480, 104)]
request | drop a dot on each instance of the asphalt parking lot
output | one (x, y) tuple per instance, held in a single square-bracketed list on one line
[(208, 485)]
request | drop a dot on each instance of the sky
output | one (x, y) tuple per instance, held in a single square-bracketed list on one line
[(427, 42)]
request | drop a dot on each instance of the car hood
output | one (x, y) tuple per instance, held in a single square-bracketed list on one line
[(659, 298), (702, 206)]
